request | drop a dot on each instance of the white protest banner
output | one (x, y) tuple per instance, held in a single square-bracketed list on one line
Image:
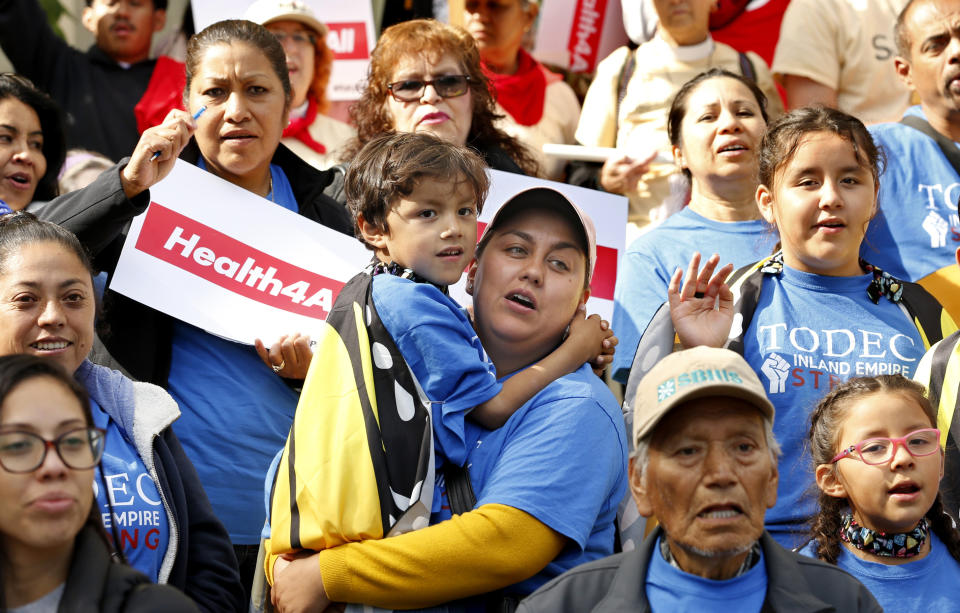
[(351, 36), (224, 259), (609, 215), (576, 34)]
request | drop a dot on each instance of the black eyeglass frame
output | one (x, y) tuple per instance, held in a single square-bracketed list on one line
[(425, 82), (97, 450)]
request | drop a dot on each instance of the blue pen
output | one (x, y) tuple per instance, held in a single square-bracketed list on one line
[(196, 116)]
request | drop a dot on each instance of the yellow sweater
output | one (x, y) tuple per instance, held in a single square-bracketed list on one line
[(478, 552)]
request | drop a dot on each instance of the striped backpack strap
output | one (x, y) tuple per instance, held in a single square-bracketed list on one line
[(940, 372), (746, 284), (931, 319), (359, 461)]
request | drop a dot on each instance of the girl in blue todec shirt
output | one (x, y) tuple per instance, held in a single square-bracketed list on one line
[(814, 314), (878, 465)]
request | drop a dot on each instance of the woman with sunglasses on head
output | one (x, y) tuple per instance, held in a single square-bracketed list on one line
[(149, 494), (878, 463), (425, 76), (55, 553)]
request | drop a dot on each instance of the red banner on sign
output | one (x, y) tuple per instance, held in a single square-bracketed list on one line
[(585, 30), (233, 265), (348, 40)]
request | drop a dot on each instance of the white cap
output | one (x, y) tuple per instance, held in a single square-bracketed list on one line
[(266, 11)]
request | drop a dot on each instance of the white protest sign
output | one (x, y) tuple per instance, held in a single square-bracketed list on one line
[(576, 34), (609, 215), (351, 36), (224, 259)]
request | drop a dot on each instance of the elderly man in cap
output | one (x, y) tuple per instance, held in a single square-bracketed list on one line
[(706, 466)]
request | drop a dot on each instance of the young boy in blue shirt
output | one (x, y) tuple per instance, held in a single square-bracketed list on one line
[(403, 354)]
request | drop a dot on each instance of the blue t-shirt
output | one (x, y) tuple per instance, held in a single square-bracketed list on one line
[(916, 231), (280, 193), (236, 412), (809, 333), (670, 589), (138, 513), (562, 458), (435, 337), (928, 584), (651, 260)]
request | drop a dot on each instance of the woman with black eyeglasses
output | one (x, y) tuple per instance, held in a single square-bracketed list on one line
[(147, 491), (425, 76), (55, 553)]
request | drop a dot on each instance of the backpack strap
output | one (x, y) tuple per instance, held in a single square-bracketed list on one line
[(940, 371), (746, 284), (947, 146), (746, 67), (459, 488), (626, 73)]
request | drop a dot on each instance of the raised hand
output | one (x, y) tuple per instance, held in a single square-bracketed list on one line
[(702, 309)]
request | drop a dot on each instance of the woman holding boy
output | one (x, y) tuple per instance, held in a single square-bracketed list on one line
[(530, 279)]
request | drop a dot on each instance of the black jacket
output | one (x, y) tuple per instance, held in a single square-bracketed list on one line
[(795, 584), (97, 94), (96, 583)]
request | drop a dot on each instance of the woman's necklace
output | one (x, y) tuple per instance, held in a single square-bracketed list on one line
[(270, 195), (881, 544)]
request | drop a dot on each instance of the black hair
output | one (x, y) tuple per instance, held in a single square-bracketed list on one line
[(158, 5), (900, 35), (392, 165), (51, 123), (21, 228), (16, 369), (786, 133), (231, 31), (678, 107)]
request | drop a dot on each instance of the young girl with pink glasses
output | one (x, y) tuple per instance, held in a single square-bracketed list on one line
[(878, 464)]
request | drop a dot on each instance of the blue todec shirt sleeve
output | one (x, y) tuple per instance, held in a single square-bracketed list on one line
[(640, 290), (443, 352)]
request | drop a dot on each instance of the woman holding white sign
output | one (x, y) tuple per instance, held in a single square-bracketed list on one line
[(147, 493), (237, 401)]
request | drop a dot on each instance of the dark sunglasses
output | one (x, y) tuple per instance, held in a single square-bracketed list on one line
[(447, 86)]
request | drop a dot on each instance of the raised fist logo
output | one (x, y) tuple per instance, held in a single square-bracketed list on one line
[(936, 226), (776, 370)]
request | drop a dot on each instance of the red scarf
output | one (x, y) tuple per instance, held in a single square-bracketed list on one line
[(164, 92), (299, 128), (522, 95)]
